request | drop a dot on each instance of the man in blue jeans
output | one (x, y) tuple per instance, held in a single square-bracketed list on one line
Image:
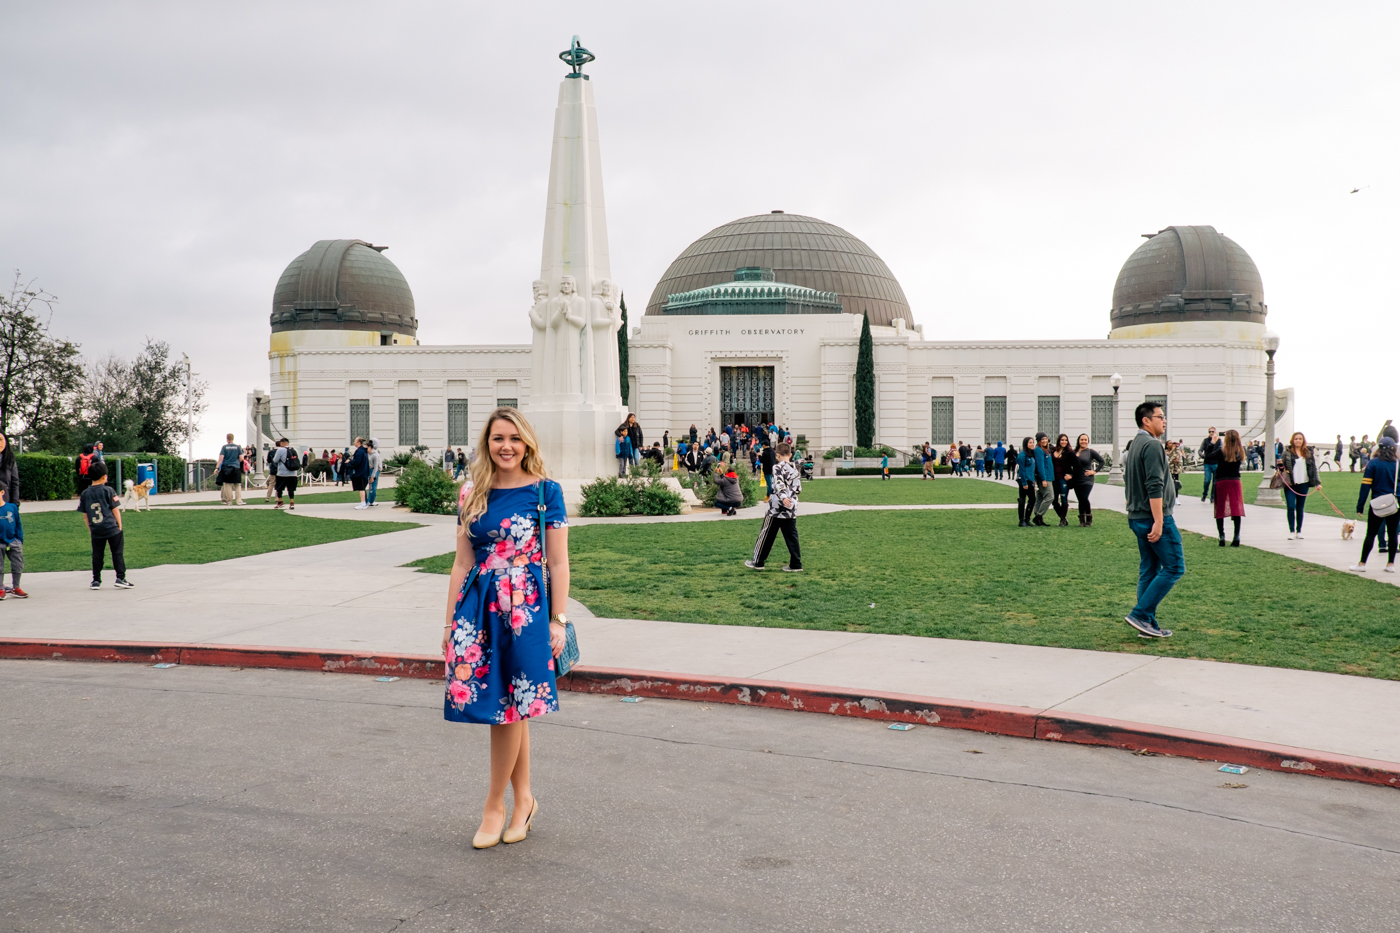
[(1151, 495)]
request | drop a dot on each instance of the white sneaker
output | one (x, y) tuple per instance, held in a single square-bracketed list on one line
[(1389, 568), (1358, 568), (1299, 536), (361, 506), (1290, 536)]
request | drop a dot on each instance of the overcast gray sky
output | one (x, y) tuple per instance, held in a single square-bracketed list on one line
[(163, 162)]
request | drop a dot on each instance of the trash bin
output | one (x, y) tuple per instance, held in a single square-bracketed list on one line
[(147, 471)]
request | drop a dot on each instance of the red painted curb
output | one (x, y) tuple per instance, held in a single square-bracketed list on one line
[(1018, 721)]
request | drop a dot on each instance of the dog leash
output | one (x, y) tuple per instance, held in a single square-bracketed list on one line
[(1290, 488)]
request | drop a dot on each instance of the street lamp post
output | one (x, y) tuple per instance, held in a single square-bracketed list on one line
[(1115, 473), (189, 413), (1266, 493)]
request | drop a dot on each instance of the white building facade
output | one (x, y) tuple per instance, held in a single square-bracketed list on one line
[(1187, 325)]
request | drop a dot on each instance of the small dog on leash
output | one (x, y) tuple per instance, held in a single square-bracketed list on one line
[(1347, 529), (137, 493)]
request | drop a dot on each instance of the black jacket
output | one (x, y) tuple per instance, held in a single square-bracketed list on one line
[(9, 481), (634, 431), (1286, 462), (359, 463), (1069, 463), (1212, 453)]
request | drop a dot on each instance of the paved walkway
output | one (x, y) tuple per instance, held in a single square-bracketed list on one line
[(355, 596)]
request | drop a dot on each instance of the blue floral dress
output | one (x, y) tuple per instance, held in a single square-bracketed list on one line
[(500, 668)]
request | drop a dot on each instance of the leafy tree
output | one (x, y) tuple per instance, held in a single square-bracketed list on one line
[(622, 349), (137, 405), (39, 373), (865, 386), (158, 393)]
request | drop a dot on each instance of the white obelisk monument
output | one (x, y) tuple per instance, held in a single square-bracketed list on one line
[(575, 401)]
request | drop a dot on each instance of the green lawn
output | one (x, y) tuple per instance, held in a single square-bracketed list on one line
[(60, 540), (975, 575), (871, 490), (1341, 488)]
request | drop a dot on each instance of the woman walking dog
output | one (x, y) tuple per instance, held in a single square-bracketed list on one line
[(504, 629), (1298, 468)]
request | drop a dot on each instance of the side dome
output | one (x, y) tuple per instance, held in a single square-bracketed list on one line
[(799, 250), (343, 285), (1188, 274)]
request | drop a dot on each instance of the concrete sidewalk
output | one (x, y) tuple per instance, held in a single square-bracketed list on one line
[(354, 597)]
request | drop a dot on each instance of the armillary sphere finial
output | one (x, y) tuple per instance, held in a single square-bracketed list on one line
[(576, 56)]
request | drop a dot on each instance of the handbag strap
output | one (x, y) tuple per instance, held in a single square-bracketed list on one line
[(544, 553)]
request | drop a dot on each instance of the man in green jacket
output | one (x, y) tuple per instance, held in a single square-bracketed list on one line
[(1151, 495)]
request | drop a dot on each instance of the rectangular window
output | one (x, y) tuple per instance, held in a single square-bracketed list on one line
[(286, 422), (408, 422), (507, 403), (359, 417), (1160, 400), (1047, 410), (1244, 413), (1101, 419), (942, 428), (994, 419), (457, 425)]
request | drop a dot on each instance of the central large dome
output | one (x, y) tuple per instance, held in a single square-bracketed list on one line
[(801, 251)]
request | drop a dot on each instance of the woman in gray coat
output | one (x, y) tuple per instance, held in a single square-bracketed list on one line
[(730, 497)]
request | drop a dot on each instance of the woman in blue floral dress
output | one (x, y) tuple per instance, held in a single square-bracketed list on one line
[(498, 643)]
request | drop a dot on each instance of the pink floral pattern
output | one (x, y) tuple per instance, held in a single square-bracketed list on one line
[(499, 667)]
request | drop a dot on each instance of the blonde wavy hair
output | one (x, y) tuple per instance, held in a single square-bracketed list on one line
[(483, 468)]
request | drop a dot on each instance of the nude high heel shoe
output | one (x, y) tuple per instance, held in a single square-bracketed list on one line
[(518, 835), (483, 841)]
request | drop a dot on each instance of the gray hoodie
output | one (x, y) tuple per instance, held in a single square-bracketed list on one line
[(1147, 476)]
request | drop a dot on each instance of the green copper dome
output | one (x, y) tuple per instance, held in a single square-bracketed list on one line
[(801, 251)]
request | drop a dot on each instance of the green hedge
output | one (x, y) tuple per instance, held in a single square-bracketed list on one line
[(170, 471), (425, 488), (45, 477), (49, 476), (635, 495)]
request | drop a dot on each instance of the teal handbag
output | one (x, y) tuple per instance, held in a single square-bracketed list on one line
[(568, 658)]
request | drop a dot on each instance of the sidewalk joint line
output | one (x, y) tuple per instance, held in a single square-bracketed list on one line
[(864, 636), (1152, 659)]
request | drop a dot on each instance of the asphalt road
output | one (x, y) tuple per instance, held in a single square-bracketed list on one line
[(206, 799)]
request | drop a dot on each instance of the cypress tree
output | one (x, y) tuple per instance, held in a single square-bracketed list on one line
[(622, 349), (865, 386)]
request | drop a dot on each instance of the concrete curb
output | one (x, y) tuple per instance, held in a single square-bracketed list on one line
[(1018, 721)]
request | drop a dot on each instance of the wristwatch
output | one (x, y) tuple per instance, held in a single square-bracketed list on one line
[(560, 618)]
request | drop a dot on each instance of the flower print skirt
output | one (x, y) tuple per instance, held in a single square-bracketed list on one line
[(496, 673)]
